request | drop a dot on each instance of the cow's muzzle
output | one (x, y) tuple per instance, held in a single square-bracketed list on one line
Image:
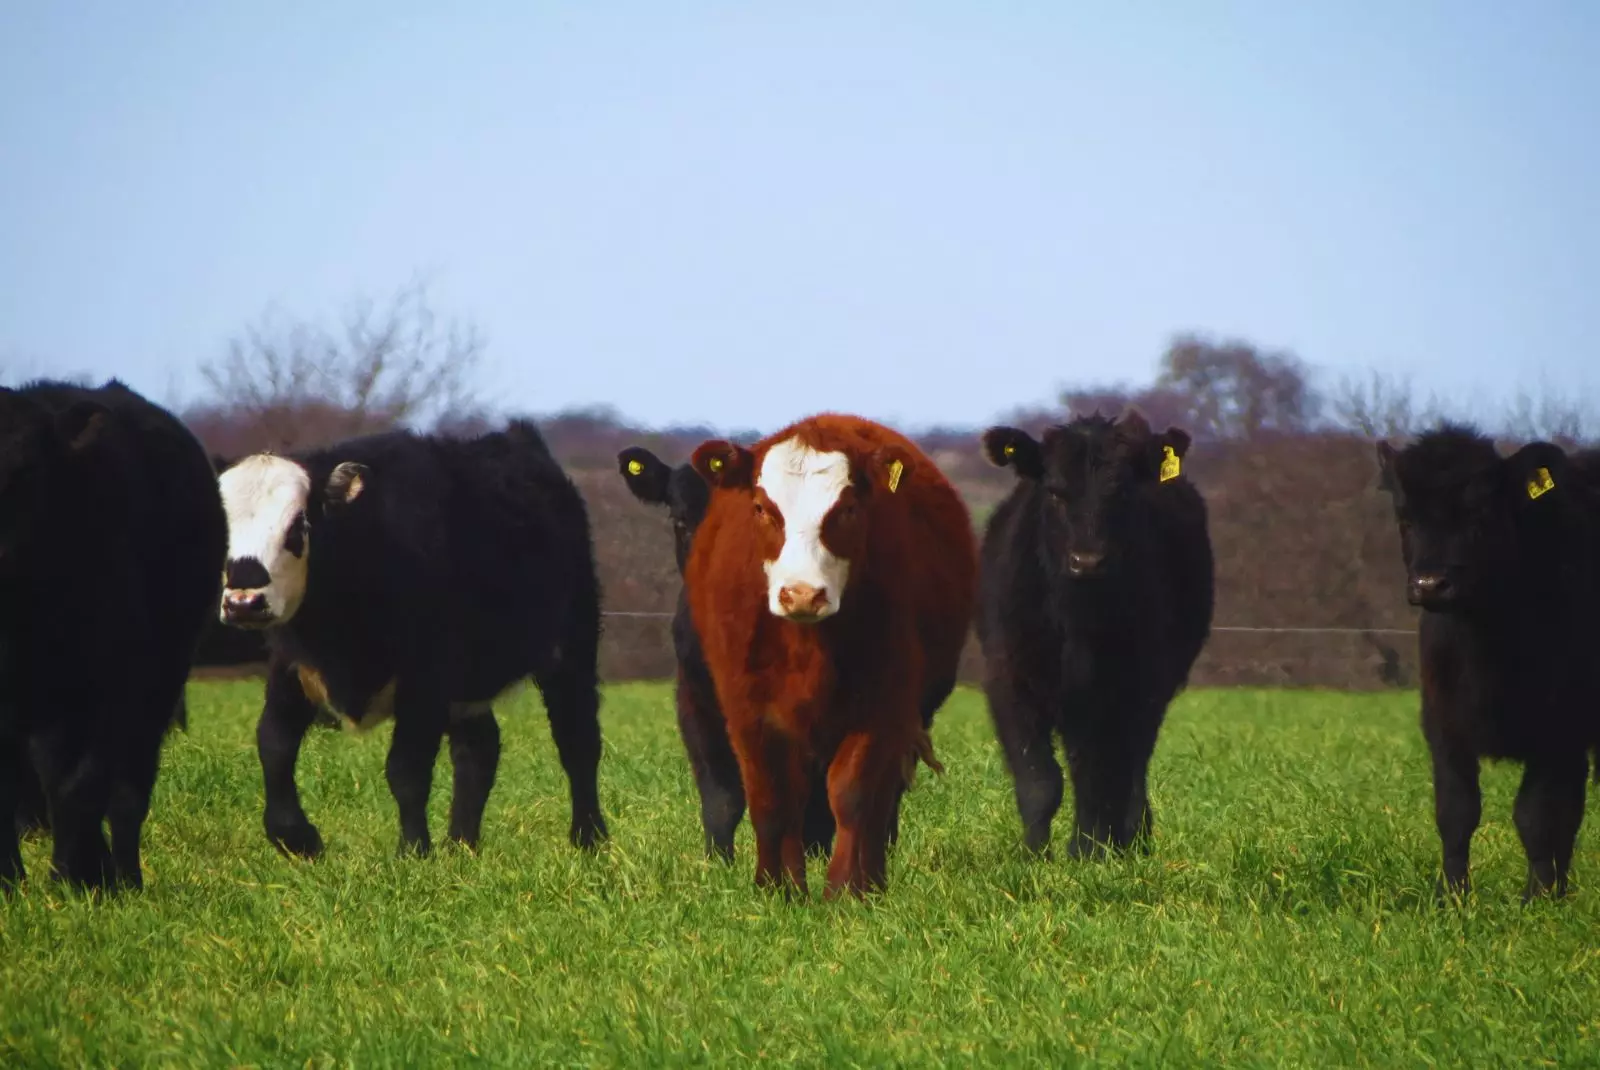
[(804, 604), (245, 608), (1085, 563), (1431, 590)]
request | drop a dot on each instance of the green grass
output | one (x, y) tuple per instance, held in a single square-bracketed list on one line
[(1285, 917)]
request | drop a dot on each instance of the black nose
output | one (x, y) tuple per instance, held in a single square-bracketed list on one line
[(245, 573), (1429, 588), (1084, 562)]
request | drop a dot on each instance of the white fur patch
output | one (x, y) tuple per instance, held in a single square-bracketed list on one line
[(804, 484), (261, 495)]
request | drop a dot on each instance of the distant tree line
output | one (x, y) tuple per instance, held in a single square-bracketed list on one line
[(1285, 461)]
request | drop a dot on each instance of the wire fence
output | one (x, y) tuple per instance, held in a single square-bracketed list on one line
[(1308, 630)]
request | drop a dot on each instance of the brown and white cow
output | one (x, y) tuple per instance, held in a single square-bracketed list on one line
[(832, 583)]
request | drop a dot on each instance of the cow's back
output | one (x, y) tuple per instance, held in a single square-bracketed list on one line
[(478, 547), (146, 513)]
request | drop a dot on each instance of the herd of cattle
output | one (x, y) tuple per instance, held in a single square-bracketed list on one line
[(830, 578)]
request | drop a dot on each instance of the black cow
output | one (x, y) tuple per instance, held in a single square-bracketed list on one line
[(1095, 600), (700, 721), (1500, 556), (417, 577), (112, 538)]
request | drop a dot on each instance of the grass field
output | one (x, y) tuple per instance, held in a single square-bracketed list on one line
[(1285, 918)]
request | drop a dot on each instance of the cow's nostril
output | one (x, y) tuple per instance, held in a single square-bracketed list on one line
[(802, 599)]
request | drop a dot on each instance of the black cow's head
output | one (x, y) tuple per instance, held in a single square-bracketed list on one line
[(1087, 471), (272, 511), (37, 447), (1468, 517), (680, 489)]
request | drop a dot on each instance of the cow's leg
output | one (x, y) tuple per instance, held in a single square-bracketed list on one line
[(134, 771), (1140, 819), (1135, 825), (1548, 810), (818, 824), (1027, 741), (711, 759), (572, 701), (32, 813), (775, 783), (77, 783), (1457, 809), (13, 755), (285, 716), (1103, 781), (420, 718), (861, 783), (934, 697), (475, 755)]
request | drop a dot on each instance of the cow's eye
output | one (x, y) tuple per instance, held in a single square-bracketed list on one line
[(294, 539)]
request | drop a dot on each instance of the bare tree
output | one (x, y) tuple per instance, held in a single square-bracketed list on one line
[(1379, 407), (1162, 406), (386, 365), (1235, 390), (1566, 422)]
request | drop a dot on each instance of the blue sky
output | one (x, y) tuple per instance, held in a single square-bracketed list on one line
[(739, 213)]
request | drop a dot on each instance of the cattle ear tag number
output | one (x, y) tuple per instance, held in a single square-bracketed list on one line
[(1170, 465), (634, 467), (895, 468), (1540, 483)]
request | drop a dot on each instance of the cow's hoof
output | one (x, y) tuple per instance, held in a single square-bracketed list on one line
[(587, 833), (299, 841)]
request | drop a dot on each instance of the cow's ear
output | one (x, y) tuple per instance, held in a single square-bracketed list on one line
[(1168, 450), (345, 484), (889, 467), (1536, 470), (1386, 456), (1012, 447), (81, 425), (646, 474), (723, 464)]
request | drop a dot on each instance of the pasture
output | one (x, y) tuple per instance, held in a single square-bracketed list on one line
[(1284, 918)]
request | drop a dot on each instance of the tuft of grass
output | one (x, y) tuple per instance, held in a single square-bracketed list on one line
[(1285, 917)]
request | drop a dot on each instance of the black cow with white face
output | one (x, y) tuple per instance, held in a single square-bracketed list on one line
[(1095, 599), (700, 720), (416, 578), (112, 538), (1501, 557)]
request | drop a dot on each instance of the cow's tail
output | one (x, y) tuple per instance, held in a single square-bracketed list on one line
[(922, 749), (1594, 770), (180, 713)]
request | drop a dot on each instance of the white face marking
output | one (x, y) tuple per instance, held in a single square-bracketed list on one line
[(804, 484), (262, 495)]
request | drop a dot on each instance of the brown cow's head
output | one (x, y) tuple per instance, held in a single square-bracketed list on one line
[(811, 509)]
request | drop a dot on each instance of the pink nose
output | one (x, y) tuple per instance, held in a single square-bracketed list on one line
[(802, 600), (244, 604)]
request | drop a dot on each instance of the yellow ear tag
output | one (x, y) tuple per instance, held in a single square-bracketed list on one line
[(1009, 450), (634, 468), (715, 464), (895, 468), (1170, 465), (1540, 483)]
